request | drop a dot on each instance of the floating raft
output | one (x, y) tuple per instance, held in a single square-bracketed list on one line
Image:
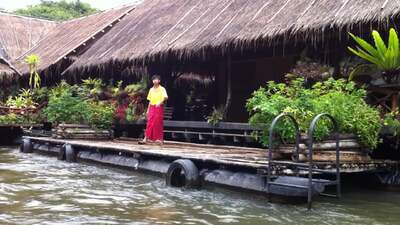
[(224, 156), (193, 165)]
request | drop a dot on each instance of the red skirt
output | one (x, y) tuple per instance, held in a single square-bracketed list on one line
[(155, 123)]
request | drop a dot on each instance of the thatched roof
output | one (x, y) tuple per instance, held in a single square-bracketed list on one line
[(68, 37), (6, 69), (183, 28), (18, 34)]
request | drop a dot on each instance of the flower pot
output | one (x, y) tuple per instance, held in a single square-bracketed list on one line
[(391, 77)]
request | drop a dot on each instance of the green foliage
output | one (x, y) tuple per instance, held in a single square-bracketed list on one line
[(34, 77), (392, 121), (132, 115), (41, 94), (135, 88), (385, 58), (23, 100), (100, 114), (67, 106), (91, 87), (12, 119), (217, 115), (343, 100), (57, 10), (117, 89)]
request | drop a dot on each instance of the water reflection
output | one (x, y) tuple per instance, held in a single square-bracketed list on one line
[(38, 189)]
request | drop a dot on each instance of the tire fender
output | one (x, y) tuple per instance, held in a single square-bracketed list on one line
[(70, 154), (183, 173), (26, 146), (61, 153)]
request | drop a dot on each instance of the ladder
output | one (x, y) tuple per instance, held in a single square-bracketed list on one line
[(306, 166)]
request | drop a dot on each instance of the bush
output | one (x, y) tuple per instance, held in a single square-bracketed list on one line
[(341, 99), (12, 119), (67, 106)]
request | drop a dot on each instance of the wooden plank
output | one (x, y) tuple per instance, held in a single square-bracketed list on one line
[(223, 155)]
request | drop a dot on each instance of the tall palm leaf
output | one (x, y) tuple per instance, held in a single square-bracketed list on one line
[(385, 58)]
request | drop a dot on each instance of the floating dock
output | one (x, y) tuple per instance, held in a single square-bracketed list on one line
[(193, 165)]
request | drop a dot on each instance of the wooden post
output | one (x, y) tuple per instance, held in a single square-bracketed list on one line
[(395, 101), (228, 85)]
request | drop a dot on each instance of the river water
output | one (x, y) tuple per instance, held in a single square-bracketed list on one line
[(36, 189)]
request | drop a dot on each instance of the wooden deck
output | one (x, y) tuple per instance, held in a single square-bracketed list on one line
[(255, 158)]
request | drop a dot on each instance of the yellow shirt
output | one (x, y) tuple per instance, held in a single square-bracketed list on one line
[(157, 95)]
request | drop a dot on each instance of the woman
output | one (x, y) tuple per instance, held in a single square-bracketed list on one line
[(155, 112)]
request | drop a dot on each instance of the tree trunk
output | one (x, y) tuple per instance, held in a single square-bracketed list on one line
[(228, 85)]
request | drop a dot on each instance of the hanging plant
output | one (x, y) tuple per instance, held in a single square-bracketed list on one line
[(34, 77), (382, 57)]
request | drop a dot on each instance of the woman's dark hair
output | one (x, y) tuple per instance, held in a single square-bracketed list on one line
[(155, 77)]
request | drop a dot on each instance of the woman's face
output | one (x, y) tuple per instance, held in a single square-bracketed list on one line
[(156, 81)]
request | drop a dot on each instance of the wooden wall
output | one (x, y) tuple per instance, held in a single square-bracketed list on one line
[(247, 76)]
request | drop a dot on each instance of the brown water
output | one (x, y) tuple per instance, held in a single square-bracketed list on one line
[(37, 189)]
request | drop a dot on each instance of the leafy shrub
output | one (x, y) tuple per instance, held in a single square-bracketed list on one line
[(100, 115), (12, 118), (23, 100), (341, 99), (67, 106)]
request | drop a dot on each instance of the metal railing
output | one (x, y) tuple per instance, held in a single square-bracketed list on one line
[(309, 166), (310, 140)]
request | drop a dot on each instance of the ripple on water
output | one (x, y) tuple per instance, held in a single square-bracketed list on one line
[(37, 189)]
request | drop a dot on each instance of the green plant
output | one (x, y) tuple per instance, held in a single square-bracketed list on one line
[(137, 87), (132, 114), (100, 115), (64, 107), (41, 95), (343, 100), (12, 119), (216, 116), (117, 89), (34, 77), (92, 86), (67, 106), (22, 101), (392, 121), (385, 58)]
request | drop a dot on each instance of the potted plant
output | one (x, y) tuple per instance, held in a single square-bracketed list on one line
[(358, 122), (382, 57), (78, 116)]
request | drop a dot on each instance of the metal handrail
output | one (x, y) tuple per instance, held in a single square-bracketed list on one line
[(271, 139), (310, 154)]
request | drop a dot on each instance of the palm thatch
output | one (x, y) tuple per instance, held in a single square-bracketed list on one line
[(200, 80), (5, 70), (17, 35), (186, 28), (70, 38)]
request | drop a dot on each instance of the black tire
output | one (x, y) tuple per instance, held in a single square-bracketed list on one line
[(183, 173), (70, 155), (26, 146), (61, 153)]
